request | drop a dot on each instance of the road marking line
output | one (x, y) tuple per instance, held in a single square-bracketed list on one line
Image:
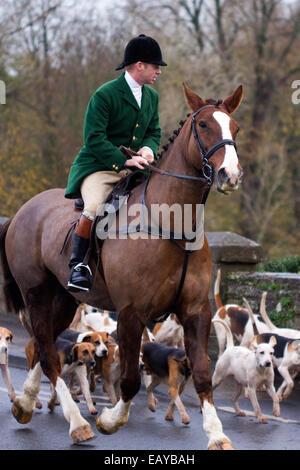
[(228, 409), (47, 397)]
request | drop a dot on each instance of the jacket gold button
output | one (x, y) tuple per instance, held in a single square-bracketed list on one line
[(137, 125), (133, 138)]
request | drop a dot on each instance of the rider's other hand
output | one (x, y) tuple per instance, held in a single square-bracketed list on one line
[(137, 161)]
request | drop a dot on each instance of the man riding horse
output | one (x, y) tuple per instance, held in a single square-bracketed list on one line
[(124, 112)]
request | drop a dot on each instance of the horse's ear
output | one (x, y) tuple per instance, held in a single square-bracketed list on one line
[(233, 101), (193, 101)]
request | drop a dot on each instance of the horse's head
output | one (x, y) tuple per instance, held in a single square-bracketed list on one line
[(214, 133)]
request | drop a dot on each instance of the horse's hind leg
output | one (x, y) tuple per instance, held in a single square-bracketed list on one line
[(51, 310), (130, 331), (196, 332)]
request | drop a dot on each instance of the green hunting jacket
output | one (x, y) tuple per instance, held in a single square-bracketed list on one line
[(113, 118)]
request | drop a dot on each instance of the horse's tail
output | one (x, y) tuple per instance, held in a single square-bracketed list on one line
[(252, 317), (12, 294), (218, 300)]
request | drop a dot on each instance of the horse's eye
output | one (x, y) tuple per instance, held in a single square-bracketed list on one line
[(202, 124)]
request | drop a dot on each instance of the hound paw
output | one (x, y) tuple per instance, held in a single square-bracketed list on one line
[(186, 420), (152, 407), (93, 411), (169, 417), (263, 420)]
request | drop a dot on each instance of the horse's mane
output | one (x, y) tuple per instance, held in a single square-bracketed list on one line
[(177, 131), (171, 139)]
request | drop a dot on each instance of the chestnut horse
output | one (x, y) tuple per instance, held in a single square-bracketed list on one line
[(142, 276)]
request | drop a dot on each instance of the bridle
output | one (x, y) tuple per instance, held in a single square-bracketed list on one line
[(207, 170), (206, 167)]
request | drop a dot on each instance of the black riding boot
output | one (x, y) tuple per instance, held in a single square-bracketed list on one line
[(81, 274)]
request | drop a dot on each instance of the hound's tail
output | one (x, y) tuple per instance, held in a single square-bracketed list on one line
[(12, 294), (264, 314), (229, 336), (251, 314), (218, 300)]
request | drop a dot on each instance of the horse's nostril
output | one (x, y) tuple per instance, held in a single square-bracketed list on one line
[(222, 175)]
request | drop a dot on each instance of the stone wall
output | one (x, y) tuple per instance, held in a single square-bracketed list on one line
[(283, 294), (231, 253)]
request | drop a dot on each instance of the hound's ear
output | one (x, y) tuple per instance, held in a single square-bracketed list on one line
[(233, 101), (273, 341), (87, 339), (75, 353), (193, 101)]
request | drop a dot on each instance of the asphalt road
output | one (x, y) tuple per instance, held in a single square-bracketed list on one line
[(149, 431)]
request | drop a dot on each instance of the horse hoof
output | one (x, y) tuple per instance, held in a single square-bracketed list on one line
[(225, 444), (21, 416), (82, 434), (104, 430), (111, 429)]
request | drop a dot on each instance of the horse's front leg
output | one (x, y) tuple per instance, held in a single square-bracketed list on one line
[(25, 404), (130, 331), (196, 332)]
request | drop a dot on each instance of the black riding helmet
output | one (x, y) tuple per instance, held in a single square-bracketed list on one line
[(142, 48)]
